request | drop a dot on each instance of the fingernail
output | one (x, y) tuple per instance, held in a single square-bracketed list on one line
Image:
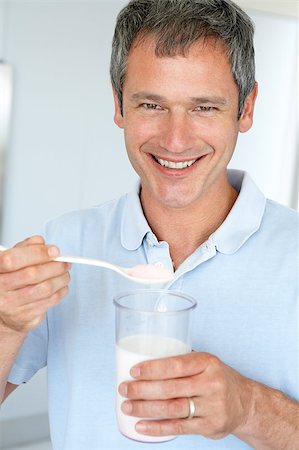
[(135, 372), (53, 252), (123, 389), (127, 407), (68, 266), (141, 427)]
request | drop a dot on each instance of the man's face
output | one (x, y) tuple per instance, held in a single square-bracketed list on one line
[(180, 120)]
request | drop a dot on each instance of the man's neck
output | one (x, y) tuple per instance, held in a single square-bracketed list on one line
[(185, 229)]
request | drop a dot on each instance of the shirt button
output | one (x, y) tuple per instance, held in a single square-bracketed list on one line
[(159, 264)]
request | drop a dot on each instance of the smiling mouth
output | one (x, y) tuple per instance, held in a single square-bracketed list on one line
[(175, 165)]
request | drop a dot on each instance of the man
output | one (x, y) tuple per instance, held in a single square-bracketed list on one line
[(184, 87)]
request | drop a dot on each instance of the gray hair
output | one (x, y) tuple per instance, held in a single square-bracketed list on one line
[(176, 25)]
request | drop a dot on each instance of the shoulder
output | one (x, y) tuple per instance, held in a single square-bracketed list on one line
[(280, 227), (281, 216), (100, 212), (70, 230)]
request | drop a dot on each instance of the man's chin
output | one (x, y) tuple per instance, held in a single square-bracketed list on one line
[(164, 197), (178, 201)]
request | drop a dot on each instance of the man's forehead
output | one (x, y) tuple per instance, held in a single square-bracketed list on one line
[(149, 42), (207, 58)]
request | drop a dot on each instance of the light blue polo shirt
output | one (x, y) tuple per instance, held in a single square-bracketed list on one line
[(244, 277)]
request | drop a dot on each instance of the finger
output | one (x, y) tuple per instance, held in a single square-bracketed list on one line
[(37, 292), (162, 390), (177, 408), (43, 305), (29, 316), (22, 256), (32, 275), (32, 240), (44, 289), (174, 367), (171, 427)]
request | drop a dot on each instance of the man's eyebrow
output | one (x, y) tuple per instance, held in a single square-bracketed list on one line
[(138, 96), (209, 99)]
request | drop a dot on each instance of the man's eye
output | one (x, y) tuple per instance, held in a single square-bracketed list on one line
[(150, 106), (205, 108)]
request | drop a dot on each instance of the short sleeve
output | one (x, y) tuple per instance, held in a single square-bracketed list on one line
[(32, 355)]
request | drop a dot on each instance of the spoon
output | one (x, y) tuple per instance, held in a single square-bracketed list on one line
[(142, 273)]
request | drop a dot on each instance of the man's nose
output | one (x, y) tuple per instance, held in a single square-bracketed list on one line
[(177, 135)]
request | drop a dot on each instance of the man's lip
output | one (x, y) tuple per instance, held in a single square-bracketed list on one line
[(175, 172), (176, 160)]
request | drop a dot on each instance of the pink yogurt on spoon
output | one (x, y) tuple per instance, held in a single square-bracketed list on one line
[(150, 271)]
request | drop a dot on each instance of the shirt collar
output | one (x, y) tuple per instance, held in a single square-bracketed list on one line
[(245, 217), (134, 225), (243, 220)]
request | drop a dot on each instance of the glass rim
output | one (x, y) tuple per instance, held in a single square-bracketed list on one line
[(189, 298)]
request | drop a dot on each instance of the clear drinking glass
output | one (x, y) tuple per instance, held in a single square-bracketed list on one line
[(150, 324)]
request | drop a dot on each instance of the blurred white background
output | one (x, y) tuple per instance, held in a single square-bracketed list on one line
[(66, 153)]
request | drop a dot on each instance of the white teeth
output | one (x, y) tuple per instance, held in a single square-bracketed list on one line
[(173, 165)]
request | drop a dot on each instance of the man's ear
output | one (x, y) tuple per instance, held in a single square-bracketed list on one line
[(246, 119), (118, 117)]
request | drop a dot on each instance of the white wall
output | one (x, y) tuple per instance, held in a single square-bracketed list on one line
[(65, 151), (269, 151), (1, 28), (281, 7)]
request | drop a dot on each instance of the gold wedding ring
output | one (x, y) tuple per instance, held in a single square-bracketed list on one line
[(191, 408)]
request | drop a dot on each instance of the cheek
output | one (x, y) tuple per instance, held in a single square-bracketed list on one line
[(134, 137), (137, 133), (221, 138)]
